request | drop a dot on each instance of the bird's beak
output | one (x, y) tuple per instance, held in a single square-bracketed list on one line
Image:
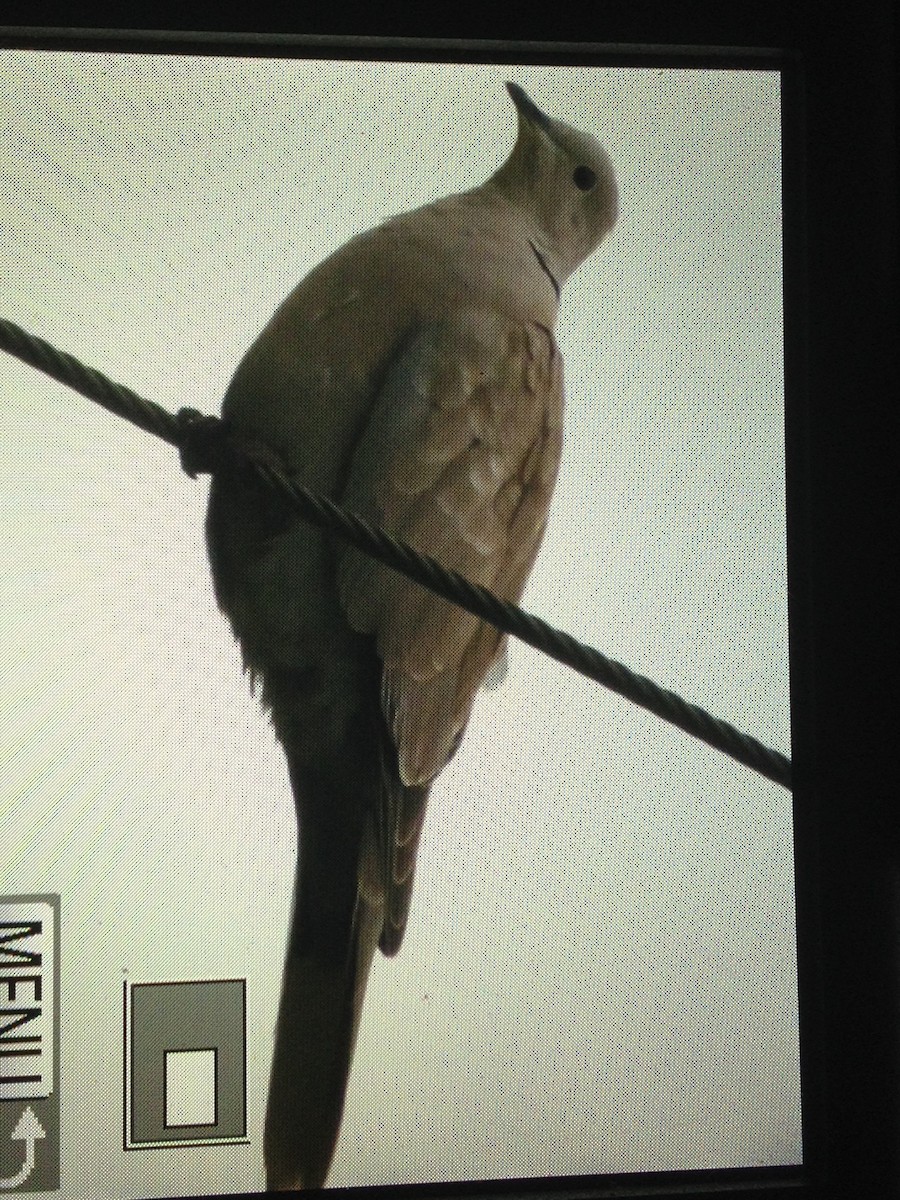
[(527, 109)]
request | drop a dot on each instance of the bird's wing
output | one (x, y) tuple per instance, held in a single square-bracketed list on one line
[(458, 458)]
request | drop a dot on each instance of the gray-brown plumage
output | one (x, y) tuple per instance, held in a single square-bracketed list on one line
[(413, 376)]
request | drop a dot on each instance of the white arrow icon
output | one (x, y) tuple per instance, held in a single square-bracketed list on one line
[(28, 1130)]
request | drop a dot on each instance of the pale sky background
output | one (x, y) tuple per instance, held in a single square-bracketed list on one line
[(599, 973)]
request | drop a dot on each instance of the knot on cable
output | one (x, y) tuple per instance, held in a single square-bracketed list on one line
[(204, 442), (207, 444)]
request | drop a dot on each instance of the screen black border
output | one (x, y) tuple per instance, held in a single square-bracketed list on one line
[(840, 280)]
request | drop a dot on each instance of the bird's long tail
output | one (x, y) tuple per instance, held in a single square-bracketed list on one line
[(334, 932)]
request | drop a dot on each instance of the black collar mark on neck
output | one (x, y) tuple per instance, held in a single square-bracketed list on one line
[(544, 267)]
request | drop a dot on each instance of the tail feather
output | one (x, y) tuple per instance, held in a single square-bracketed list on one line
[(334, 931), (321, 1004), (358, 831)]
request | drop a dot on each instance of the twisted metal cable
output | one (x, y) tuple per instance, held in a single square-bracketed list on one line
[(115, 397), (205, 443)]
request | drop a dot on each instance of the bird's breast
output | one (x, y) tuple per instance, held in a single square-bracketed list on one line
[(307, 384)]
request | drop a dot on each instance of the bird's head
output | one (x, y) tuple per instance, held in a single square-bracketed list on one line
[(564, 180)]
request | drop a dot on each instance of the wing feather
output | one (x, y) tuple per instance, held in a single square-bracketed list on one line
[(459, 459)]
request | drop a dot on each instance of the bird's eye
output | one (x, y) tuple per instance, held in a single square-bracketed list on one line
[(584, 178)]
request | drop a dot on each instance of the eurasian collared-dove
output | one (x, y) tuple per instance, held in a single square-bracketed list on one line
[(413, 376)]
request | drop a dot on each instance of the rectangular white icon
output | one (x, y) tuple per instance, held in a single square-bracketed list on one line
[(190, 1087)]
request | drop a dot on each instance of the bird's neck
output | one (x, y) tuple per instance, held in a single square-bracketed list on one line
[(517, 262)]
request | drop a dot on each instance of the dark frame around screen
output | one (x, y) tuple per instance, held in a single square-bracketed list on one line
[(838, 247)]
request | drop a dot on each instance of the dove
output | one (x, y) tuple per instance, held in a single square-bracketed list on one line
[(413, 376)]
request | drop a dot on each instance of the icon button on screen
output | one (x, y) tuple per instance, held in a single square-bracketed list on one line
[(185, 1063)]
